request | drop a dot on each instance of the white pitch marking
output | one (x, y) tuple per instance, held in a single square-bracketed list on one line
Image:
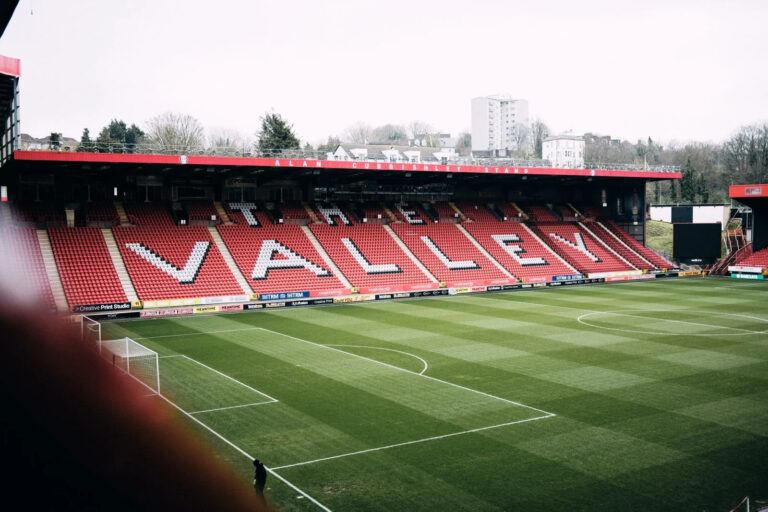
[(233, 407), (406, 443), (426, 365), (230, 378), (195, 333), (243, 452), (661, 333), (170, 355), (408, 371)]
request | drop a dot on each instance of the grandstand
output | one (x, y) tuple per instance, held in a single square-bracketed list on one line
[(440, 233)]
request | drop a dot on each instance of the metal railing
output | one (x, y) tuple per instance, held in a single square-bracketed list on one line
[(312, 154)]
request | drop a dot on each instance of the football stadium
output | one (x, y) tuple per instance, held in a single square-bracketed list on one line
[(397, 331)]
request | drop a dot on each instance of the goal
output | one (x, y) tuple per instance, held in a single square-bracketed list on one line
[(90, 330), (135, 360)]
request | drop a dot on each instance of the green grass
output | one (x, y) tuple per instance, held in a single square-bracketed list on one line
[(658, 236), (661, 407)]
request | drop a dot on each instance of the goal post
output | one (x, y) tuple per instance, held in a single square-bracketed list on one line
[(90, 331), (135, 360)]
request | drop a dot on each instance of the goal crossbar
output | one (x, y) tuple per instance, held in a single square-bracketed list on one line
[(134, 359)]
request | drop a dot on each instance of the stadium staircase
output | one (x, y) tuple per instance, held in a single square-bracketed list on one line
[(612, 246), (514, 246), (87, 274), (578, 247), (52, 271), (520, 211), (311, 213), (222, 213), (619, 246), (166, 261), (389, 213), (649, 254), (326, 258), (278, 257), (410, 255), (448, 254), (121, 214), (229, 260), (486, 253), (119, 265), (369, 258), (458, 211)]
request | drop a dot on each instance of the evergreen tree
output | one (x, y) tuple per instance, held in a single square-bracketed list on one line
[(688, 184), (104, 143), (126, 135), (702, 189), (54, 140), (86, 144), (276, 134), (672, 192)]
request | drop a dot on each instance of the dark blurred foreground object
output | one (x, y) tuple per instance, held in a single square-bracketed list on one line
[(77, 435), (259, 478)]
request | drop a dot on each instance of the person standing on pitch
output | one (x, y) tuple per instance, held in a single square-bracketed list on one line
[(259, 478)]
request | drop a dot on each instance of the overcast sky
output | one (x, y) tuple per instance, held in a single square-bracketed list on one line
[(683, 70)]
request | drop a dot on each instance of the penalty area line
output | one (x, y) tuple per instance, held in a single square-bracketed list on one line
[(416, 441), (233, 407), (273, 471)]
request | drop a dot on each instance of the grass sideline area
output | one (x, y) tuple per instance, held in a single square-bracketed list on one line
[(658, 236), (634, 396)]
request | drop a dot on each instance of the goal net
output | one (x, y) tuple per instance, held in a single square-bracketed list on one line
[(90, 331), (134, 359)]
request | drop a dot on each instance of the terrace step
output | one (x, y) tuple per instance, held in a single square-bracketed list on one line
[(593, 235), (121, 215), (230, 261), (119, 264), (547, 246), (52, 271), (457, 210), (328, 261), (486, 253), (525, 215), (311, 213), (407, 251), (624, 244), (221, 212), (389, 213)]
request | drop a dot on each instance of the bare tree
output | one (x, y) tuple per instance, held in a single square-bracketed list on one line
[(418, 129), (464, 144), (521, 138), (177, 133), (358, 133), (539, 132), (746, 155), (389, 133), (228, 141)]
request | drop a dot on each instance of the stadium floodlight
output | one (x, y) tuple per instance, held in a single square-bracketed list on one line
[(135, 360)]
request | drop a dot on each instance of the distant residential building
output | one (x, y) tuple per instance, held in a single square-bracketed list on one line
[(392, 153), (566, 150), (496, 122), (29, 143), (593, 138)]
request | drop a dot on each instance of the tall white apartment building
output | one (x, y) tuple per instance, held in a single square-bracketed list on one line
[(495, 123)]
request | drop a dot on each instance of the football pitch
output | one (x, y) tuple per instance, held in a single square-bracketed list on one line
[(645, 396)]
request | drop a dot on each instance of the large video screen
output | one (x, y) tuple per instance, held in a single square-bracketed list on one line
[(697, 242)]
